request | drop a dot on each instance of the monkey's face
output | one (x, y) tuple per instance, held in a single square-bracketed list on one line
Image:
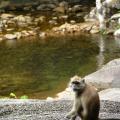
[(77, 84)]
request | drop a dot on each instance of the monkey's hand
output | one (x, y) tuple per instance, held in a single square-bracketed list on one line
[(71, 115), (68, 116)]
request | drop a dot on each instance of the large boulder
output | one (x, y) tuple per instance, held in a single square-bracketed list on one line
[(111, 94), (115, 16), (110, 103), (106, 77)]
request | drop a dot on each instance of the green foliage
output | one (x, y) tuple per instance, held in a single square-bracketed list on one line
[(24, 97), (13, 95)]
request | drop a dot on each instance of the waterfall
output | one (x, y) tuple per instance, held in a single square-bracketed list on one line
[(101, 11)]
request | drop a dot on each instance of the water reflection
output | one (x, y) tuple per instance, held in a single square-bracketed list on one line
[(100, 57), (42, 68), (11, 43)]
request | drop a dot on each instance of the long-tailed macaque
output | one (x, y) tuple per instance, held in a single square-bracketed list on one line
[(86, 102)]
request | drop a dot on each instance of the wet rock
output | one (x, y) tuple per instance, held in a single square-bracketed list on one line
[(42, 34), (23, 19), (115, 62), (55, 18), (62, 8), (1, 25), (64, 4), (51, 6), (63, 17), (6, 16), (110, 31), (10, 36), (87, 26), (79, 15), (106, 77), (72, 21), (77, 8), (53, 22), (18, 34), (92, 16), (115, 16), (27, 8), (94, 30), (11, 24), (32, 33), (28, 19), (43, 7), (66, 28), (40, 19), (117, 33), (119, 21), (9, 29), (20, 18), (48, 2), (25, 33)]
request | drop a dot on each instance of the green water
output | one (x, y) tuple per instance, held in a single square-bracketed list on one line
[(42, 67)]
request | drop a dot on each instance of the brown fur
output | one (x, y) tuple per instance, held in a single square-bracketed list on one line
[(86, 102)]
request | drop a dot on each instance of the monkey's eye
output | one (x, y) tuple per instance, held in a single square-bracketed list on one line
[(75, 82)]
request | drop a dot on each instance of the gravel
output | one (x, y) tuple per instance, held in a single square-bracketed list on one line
[(50, 110)]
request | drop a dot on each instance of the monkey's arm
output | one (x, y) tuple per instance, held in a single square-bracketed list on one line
[(73, 113)]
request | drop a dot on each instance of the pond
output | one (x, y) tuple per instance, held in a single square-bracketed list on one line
[(42, 67)]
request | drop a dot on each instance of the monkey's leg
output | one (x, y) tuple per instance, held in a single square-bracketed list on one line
[(84, 113), (72, 114)]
